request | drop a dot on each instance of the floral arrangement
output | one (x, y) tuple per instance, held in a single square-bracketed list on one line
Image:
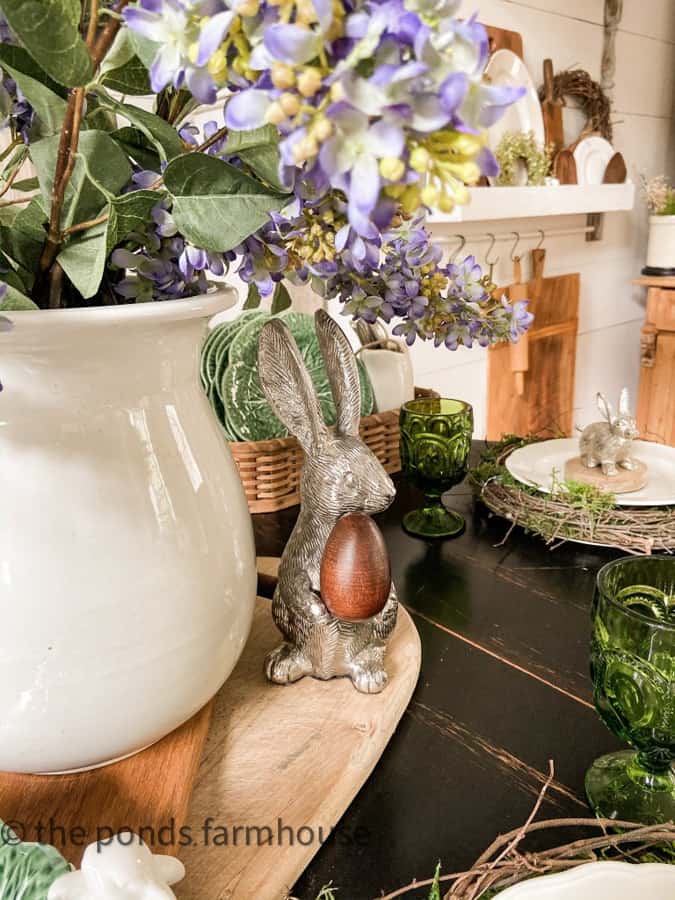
[(659, 195), (522, 147), (340, 122)]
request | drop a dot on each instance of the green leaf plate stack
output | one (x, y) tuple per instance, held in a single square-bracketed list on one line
[(230, 378)]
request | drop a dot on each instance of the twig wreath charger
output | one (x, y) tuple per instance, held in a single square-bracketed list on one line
[(515, 148), (577, 512)]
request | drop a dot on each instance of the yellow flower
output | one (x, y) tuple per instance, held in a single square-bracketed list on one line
[(391, 168)]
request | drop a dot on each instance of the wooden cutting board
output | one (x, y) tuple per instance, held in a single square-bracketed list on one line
[(503, 39), (285, 762), (546, 402), (149, 791)]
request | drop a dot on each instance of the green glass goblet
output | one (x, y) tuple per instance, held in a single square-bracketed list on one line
[(633, 672), (435, 444)]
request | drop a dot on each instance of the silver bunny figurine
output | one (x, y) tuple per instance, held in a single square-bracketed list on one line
[(340, 475), (608, 444)]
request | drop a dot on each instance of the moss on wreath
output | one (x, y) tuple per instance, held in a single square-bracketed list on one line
[(516, 147)]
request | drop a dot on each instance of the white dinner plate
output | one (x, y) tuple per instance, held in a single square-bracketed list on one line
[(600, 881), (541, 463), (505, 69), (592, 154)]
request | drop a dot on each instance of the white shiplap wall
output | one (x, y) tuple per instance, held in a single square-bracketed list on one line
[(611, 310)]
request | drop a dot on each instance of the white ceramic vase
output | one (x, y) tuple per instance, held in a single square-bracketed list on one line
[(661, 245), (390, 372), (127, 563)]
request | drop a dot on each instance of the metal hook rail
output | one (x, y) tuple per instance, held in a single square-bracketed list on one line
[(540, 234)]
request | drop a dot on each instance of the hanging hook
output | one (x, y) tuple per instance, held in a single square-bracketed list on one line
[(460, 248), (515, 245), (491, 262), (541, 239)]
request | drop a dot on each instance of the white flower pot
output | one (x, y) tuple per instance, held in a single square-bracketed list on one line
[(661, 246), (127, 563)]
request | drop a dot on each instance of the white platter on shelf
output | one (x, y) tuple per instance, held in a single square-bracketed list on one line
[(592, 154), (541, 463), (600, 881), (505, 69)]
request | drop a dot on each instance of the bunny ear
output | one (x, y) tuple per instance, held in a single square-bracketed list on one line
[(343, 372), (605, 407), (288, 386), (624, 403)]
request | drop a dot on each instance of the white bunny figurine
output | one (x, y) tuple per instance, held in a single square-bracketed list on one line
[(120, 869), (340, 475), (608, 444)]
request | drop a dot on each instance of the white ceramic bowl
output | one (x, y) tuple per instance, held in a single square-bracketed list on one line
[(600, 881)]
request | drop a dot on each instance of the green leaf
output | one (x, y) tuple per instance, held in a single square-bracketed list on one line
[(84, 256), (435, 892), (215, 205), (144, 48), (138, 147), (83, 259), (15, 299), (122, 70), (162, 135), (21, 247), (7, 215), (73, 9), (121, 51), (128, 213), (26, 184), (43, 94), (98, 156), (11, 277), (99, 118), (48, 31), (281, 299), (253, 297), (131, 78), (259, 149), (31, 220)]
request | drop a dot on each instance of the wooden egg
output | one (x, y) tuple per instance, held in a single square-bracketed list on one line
[(355, 571)]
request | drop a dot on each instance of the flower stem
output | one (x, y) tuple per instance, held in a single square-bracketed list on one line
[(47, 290)]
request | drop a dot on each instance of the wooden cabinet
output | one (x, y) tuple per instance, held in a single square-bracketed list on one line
[(656, 401)]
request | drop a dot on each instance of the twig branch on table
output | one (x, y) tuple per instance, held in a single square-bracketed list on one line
[(503, 864)]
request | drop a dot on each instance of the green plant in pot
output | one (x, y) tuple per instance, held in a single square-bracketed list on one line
[(125, 544)]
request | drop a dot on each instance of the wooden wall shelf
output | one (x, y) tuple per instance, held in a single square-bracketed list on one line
[(490, 203)]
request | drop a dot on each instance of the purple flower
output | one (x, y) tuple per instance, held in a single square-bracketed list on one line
[(160, 264)]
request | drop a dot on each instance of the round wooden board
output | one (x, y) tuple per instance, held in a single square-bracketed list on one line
[(285, 757), (625, 481)]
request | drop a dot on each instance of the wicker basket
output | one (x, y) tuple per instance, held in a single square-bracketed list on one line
[(270, 470)]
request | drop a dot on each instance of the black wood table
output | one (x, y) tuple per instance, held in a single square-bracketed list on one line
[(504, 688)]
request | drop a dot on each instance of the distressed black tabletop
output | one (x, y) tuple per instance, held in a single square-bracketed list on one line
[(504, 688)]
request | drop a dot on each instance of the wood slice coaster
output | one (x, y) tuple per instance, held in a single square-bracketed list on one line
[(147, 793), (284, 762), (623, 482)]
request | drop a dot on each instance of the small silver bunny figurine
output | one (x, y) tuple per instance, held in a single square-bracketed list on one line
[(608, 444), (340, 475)]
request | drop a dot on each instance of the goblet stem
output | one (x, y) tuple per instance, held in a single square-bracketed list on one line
[(433, 520)]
